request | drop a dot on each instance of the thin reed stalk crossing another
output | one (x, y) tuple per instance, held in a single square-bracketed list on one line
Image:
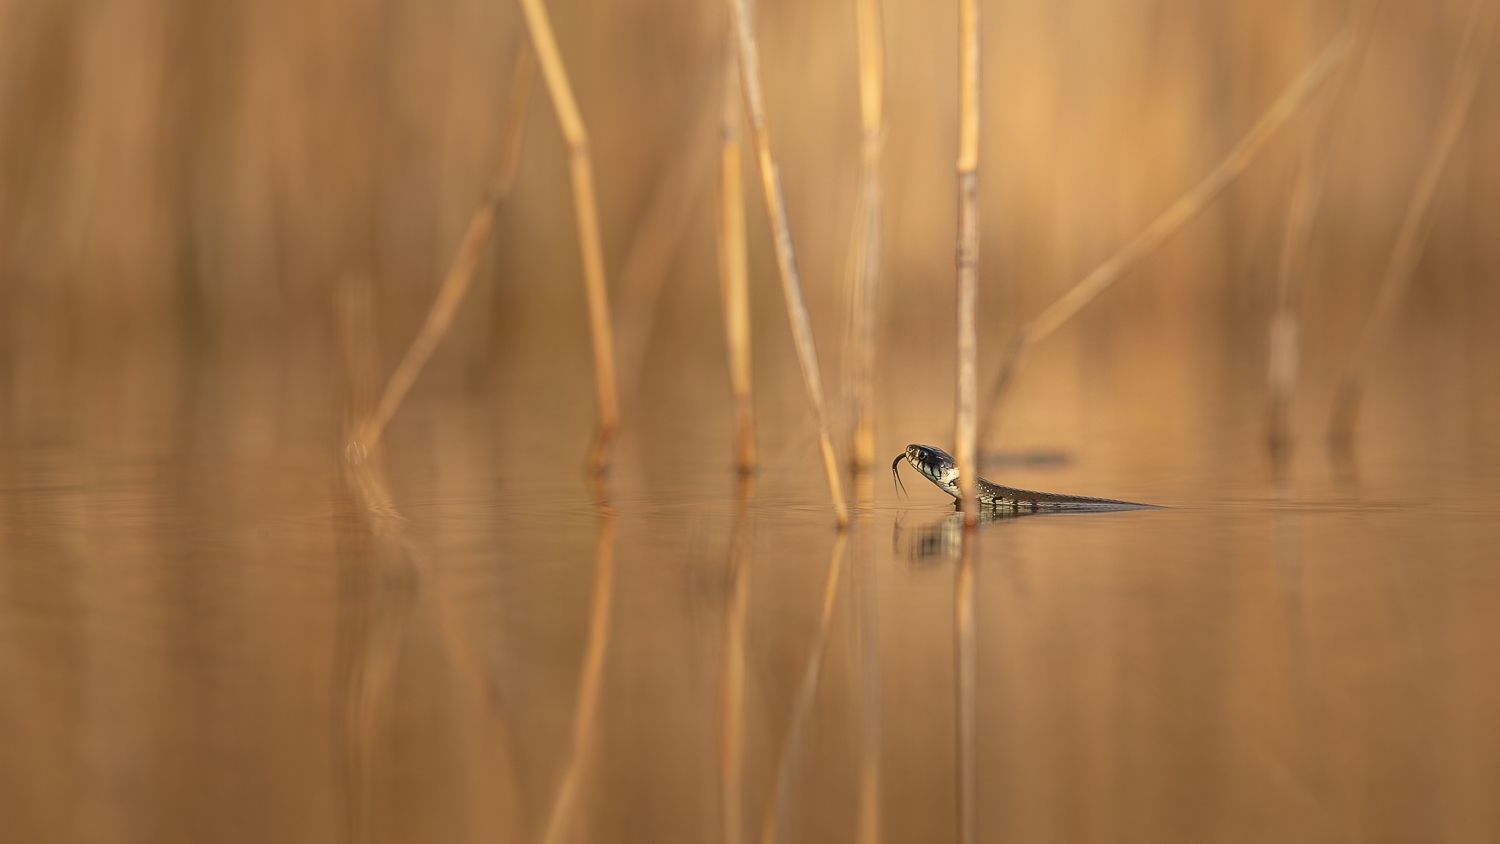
[(461, 271), (1188, 206), (586, 210), (786, 257)]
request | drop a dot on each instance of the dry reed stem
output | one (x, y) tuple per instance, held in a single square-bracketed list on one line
[(1285, 343), (1169, 221), (585, 733), (965, 733), (461, 271), (734, 274), (965, 422), (786, 258), (732, 669), (1415, 226), (774, 828), (865, 278), (580, 165)]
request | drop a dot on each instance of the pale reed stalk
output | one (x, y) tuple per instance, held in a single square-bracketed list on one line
[(865, 279), (965, 434), (581, 167), (1416, 224), (786, 258), (1177, 214), (734, 274)]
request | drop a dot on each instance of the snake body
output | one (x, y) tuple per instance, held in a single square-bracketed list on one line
[(939, 467)]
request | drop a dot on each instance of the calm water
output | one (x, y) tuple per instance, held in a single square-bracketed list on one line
[(215, 625), (226, 640)]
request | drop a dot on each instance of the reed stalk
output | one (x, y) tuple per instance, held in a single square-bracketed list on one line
[(1414, 226), (786, 258), (865, 279), (964, 671), (585, 732), (1285, 341), (461, 270), (774, 829), (581, 168), (965, 423), (734, 274), (1188, 206)]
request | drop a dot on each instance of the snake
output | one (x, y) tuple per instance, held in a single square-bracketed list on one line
[(938, 466)]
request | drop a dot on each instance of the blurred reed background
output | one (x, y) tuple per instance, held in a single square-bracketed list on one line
[(183, 186)]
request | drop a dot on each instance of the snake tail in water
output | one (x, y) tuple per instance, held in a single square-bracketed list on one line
[(939, 467)]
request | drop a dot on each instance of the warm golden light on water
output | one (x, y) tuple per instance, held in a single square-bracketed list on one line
[(244, 638)]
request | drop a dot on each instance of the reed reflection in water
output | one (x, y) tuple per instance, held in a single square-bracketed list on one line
[(295, 665)]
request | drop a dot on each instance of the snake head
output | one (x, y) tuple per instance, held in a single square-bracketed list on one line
[(935, 464)]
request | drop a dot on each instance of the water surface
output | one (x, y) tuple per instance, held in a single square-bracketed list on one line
[(299, 647)]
